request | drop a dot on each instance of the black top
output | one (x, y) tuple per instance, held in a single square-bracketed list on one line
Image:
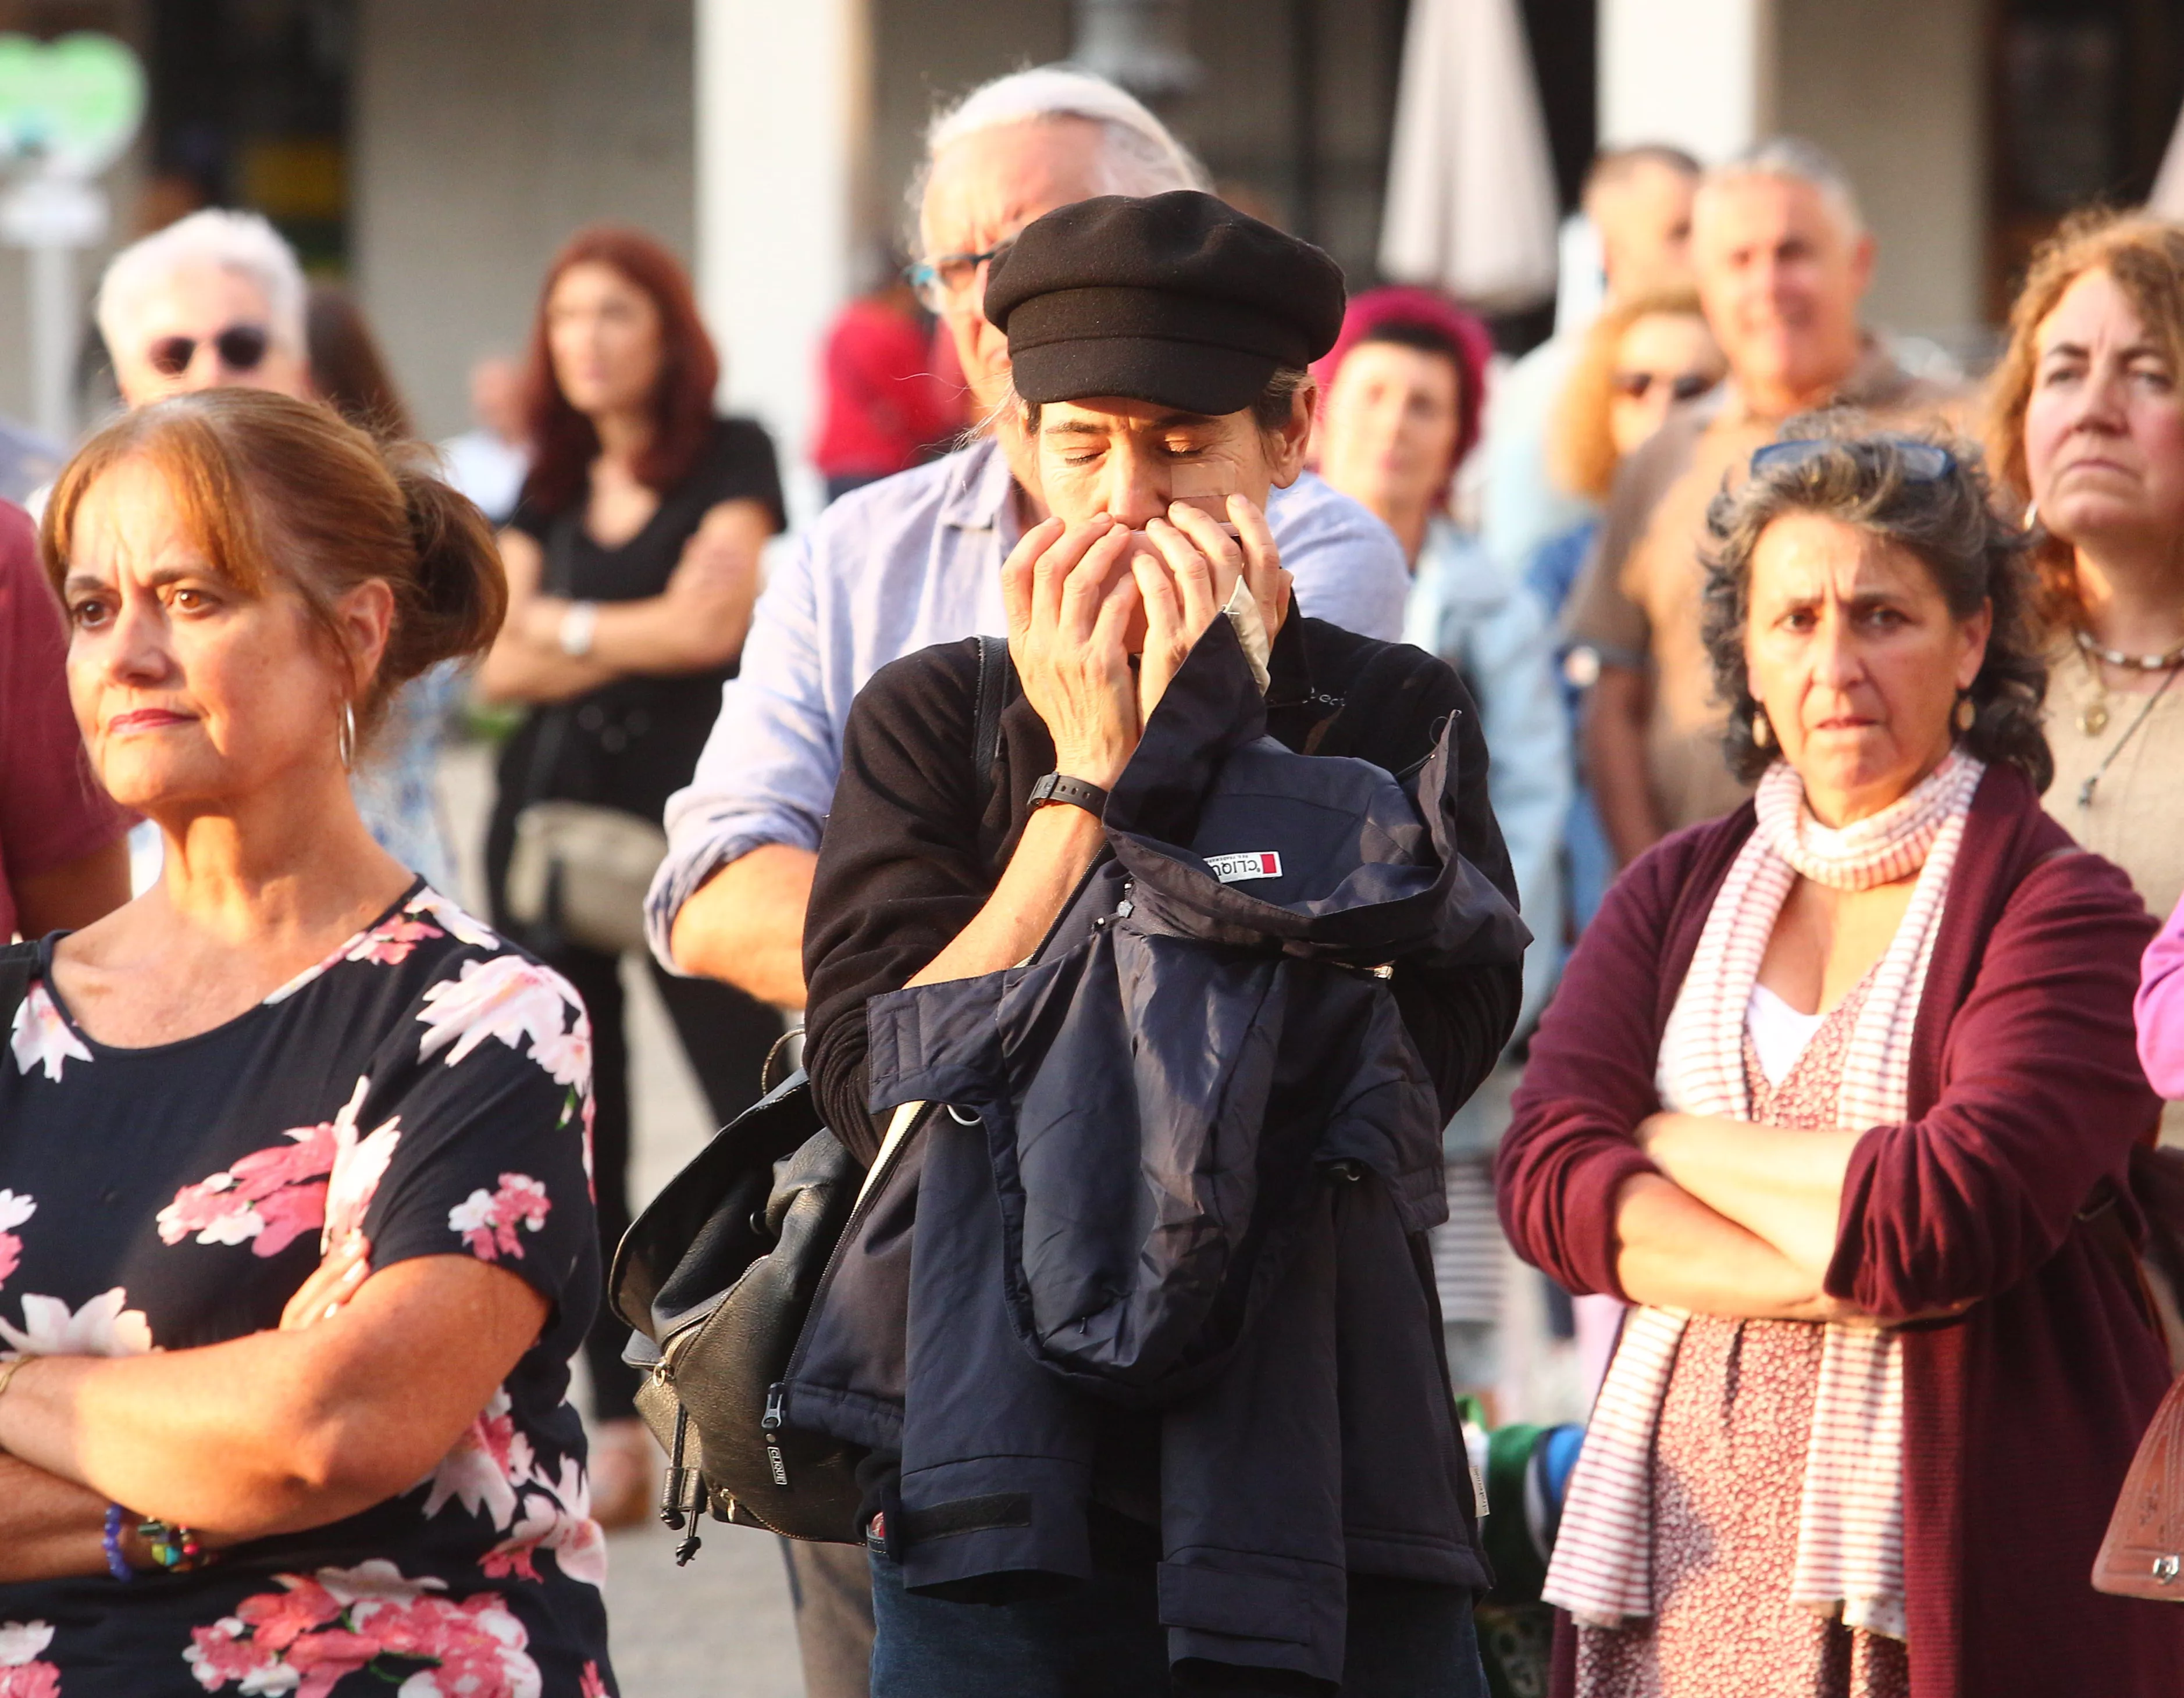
[(910, 854), (633, 742), (430, 1084)]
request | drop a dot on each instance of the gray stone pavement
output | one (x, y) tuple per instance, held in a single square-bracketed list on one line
[(721, 1626)]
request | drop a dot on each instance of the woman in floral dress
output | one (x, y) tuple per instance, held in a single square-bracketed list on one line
[(296, 1236)]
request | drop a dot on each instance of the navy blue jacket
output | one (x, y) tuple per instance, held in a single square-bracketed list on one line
[(1189, 1157)]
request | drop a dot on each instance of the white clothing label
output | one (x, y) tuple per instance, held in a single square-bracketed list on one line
[(1235, 869)]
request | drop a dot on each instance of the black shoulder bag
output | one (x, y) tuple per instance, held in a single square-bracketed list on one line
[(717, 1275), (578, 872)]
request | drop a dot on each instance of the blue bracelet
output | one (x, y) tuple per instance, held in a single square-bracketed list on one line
[(117, 1564)]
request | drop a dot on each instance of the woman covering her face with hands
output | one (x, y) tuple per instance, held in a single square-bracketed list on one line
[(1158, 443), (1839, 1090)]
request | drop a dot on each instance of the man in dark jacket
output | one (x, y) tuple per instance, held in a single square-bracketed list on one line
[(1160, 349)]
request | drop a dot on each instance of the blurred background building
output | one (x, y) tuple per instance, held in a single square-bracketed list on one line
[(434, 152)]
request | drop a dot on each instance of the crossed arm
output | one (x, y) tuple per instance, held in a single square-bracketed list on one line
[(1739, 1220), (369, 1382)]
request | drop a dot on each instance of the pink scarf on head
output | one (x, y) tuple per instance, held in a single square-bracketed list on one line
[(1850, 1519)]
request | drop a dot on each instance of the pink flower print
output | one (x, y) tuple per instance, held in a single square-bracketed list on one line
[(42, 1038), (389, 943), (31, 1680), (592, 1685), (557, 1517), (272, 1197), (22, 1674), (358, 1164), (15, 1210), (567, 1055), (486, 1467), (103, 1327), (253, 1202), (487, 1223), (277, 1620), (318, 1629), (466, 928), (508, 997)]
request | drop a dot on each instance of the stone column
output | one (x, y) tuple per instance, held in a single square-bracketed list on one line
[(784, 101), (1698, 74)]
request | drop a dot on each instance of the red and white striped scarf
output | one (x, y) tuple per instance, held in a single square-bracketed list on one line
[(1850, 1519)]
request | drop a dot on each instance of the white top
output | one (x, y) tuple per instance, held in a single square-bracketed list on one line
[(1779, 1032)]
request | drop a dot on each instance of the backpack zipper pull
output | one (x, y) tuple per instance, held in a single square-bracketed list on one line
[(675, 1488), (771, 1426), (688, 1546)]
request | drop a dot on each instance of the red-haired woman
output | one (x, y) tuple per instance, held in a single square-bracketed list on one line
[(633, 564)]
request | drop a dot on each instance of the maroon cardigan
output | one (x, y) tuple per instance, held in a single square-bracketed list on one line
[(2026, 1096)]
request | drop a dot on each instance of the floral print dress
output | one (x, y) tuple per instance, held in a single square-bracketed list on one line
[(1729, 1470), (430, 1084)]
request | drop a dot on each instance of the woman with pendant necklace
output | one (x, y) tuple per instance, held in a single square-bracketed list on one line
[(2087, 422)]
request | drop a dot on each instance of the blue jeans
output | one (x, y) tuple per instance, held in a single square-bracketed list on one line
[(1103, 1639)]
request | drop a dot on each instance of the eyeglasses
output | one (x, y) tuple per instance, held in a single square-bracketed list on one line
[(1683, 386), (939, 281), (1922, 462), (241, 348)]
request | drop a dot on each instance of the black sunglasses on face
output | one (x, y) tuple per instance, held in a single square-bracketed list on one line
[(241, 348), (1684, 385)]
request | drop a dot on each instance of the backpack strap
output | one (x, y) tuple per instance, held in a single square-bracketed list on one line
[(993, 679)]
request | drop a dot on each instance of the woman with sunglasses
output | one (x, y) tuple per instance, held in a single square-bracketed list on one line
[(1838, 1090), (632, 566), (1640, 358)]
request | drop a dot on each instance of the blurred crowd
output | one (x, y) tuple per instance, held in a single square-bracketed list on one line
[(1832, 765)]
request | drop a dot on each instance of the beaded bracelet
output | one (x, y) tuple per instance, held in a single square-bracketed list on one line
[(117, 1564), (174, 1547)]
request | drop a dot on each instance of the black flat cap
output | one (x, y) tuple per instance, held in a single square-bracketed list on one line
[(1179, 299)]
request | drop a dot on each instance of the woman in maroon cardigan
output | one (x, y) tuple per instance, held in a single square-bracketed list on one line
[(1839, 1090)]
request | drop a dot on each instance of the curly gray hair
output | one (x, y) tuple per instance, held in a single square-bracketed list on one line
[(1865, 477)]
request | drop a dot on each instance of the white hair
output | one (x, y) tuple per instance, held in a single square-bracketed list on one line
[(1139, 156), (1791, 158), (238, 242)]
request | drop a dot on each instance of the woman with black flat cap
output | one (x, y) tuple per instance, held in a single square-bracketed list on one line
[(1160, 350)]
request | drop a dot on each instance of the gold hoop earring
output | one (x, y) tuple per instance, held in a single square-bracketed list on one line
[(2033, 515), (1762, 729), (1966, 713), (345, 737)]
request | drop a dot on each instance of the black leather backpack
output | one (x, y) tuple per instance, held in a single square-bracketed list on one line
[(717, 1275)]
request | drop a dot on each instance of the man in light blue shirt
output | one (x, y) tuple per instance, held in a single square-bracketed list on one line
[(916, 558)]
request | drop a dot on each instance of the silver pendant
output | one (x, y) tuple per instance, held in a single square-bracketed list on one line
[(2093, 720)]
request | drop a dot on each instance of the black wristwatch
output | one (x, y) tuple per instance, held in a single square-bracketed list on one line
[(1060, 787)]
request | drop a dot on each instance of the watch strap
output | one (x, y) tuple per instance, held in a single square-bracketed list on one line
[(1060, 787)]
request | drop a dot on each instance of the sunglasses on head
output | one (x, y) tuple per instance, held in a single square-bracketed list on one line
[(241, 348), (1684, 385), (1922, 462)]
